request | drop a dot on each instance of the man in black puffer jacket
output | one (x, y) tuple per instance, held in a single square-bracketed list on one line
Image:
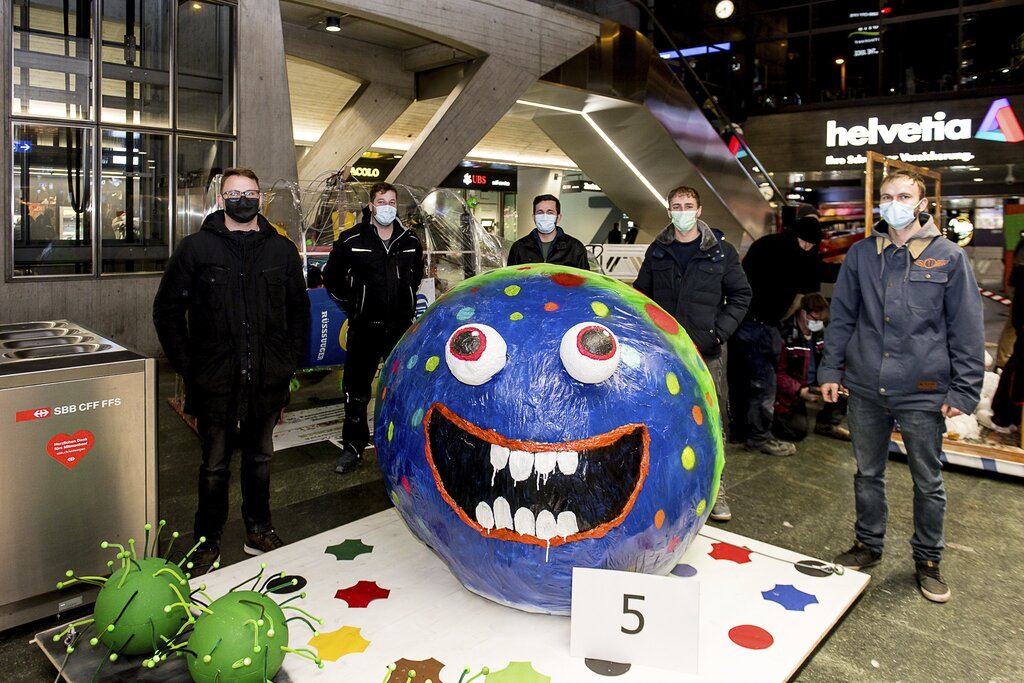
[(695, 275), (373, 272), (232, 315)]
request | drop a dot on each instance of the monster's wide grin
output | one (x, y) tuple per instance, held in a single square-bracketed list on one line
[(533, 492)]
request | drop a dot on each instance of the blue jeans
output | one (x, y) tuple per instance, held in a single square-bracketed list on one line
[(871, 421)]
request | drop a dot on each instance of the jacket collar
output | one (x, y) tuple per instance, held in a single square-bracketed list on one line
[(708, 240), (558, 235), (918, 242), (214, 222)]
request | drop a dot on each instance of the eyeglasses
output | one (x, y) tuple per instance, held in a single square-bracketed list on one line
[(235, 194)]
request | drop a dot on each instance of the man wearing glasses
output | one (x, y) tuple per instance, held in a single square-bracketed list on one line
[(232, 315), (373, 272)]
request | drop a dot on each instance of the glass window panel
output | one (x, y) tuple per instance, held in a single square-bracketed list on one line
[(51, 200), (205, 66), (52, 59), (136, 61), (199, 160), (134, 206)]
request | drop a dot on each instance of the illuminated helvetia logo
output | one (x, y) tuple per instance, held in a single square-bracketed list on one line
[(1000, 124)]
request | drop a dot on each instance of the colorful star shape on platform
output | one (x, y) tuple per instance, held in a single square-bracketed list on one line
[(788, 596), (426, 669), (728, 551), (349, 549), (362, 593), (517, 672), (336, 644)]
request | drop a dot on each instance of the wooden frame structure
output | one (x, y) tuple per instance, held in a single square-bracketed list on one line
[(887, 163)]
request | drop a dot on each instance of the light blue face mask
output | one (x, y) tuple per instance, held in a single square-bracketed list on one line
[(684, 220), (385, 214), (899, 216), (815, 325), (545, 222)]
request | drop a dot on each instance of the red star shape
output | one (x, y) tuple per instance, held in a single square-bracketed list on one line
[(728, 551), (362, 594)]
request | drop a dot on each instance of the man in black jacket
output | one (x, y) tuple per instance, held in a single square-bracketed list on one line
[(373, 272), (779, 266), (547, 242), (695, 275), (232, 315)]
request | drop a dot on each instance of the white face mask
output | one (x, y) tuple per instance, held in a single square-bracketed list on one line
[(815, 325), (545, 222), (385, 214), (684, 220), (899, 216)]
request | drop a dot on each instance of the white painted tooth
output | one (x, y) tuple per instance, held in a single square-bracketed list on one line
[(568, 461), (484, 516), (525, 522), (566, 524), (520, 465), (546, 526), (499, 456), (502, 514), (544, 462)]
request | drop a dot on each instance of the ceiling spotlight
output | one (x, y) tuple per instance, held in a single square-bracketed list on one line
[(333, 24), (197, 5)]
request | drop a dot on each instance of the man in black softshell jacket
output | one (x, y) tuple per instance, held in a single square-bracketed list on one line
[(232, 315), (373, 272), (547, 242)]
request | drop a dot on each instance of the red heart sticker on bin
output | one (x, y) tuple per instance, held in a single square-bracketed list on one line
[(69, 450)]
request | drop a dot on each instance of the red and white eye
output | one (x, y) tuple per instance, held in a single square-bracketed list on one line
[(475, 353), (589, 352)]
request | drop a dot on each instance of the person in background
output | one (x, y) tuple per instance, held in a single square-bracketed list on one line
[(803, 341), (694, 274), (615, 235), (547, 242), (373, 273), (232, 315), (631, 232), (906, 339)]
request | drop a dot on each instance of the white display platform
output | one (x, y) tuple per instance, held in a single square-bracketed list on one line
[(757, 599), (978, 456)]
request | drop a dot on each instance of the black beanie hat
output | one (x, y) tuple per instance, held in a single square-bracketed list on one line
[(808, 229)]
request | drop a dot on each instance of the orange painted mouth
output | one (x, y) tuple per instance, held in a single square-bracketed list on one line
[(544, 494)]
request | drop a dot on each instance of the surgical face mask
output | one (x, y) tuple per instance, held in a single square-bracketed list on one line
[(545, 222), (815, 325), (898, 215), (684, 220), (241, 210), (385, 214)]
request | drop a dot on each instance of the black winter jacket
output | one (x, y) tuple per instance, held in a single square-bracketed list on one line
[(374, 283), (565, 250), (232, 315), (778, 269), (709, 299)]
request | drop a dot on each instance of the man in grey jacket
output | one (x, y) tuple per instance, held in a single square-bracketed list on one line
[(906, 339)]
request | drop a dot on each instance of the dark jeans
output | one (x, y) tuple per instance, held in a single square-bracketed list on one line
[(1006, 402), (255, 438), (753, 358), (871, 421), (368, 345), (794, 424)]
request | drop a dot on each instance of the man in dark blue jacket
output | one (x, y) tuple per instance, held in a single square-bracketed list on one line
[(232, 315), (373, 272), (906, 338), (695, 275)]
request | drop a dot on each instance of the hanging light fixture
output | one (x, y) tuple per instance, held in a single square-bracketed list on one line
[(333, 24)]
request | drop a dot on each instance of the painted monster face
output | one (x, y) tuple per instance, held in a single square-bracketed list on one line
[(540, 418)]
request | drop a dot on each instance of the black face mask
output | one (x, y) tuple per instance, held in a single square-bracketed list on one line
[(241, 210)]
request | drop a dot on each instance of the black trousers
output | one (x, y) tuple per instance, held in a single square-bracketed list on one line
[(795, 424), (368, 344), (254, 436)]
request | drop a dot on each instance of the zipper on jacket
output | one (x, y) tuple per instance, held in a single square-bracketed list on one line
[(362, 302)]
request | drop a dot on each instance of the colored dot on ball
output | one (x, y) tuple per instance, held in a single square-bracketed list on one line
[(406, 485), (516, 316), (432, 363), (672, 382), (551, 306), (394, 366), (630, 356), (465, 313), (700, 507), (474, 290), (394, 497), (512, 290), (659, 519), (391, 430), (707, 397), (417, 417), (698, 415), (567, 280), (662, 319), (383, 393), (411, 363), (600, 309), (689, 458)]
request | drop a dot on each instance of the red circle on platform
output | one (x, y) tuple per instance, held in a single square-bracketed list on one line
[(751, 637)]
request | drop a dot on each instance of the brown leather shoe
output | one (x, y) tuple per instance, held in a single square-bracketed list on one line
[(833, 431)]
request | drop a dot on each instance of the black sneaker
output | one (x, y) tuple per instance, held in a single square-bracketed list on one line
[(348, 461), (204, 559), (259, 542), (720, 512), (858, 557), (930, 581)]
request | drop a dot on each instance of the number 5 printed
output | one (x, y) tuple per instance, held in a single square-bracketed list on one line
[(627, 610)]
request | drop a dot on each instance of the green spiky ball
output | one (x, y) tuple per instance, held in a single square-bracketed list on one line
[(231, 635)]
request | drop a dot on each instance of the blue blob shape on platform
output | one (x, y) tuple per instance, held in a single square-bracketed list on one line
[(686, 570), (793, 599)]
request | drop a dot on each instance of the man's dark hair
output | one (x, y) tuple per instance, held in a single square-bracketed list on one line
[(379, 188), (685, 191), (547, 198), (815, 303), (244, 172)]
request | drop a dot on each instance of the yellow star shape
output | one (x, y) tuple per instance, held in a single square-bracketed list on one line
[(334, 645)]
